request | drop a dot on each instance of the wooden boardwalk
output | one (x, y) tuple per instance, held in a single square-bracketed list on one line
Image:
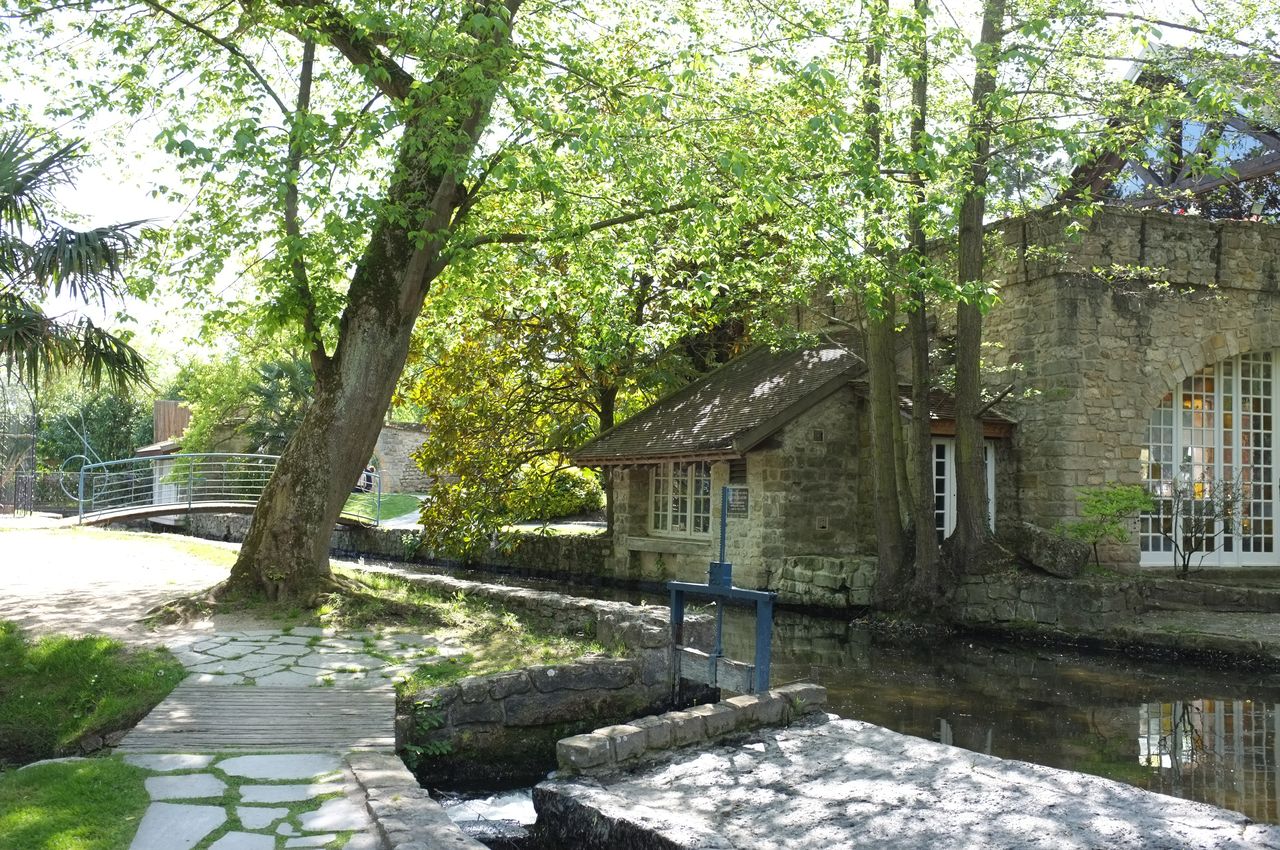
[(208, 718)]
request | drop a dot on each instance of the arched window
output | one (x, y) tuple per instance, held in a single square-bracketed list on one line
[(1208, 462)]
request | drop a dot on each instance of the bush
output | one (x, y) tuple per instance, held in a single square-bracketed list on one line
[(541, 493)]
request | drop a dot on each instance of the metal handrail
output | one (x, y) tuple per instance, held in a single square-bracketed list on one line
[(185, 482)]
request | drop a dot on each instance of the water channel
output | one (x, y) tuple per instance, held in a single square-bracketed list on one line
[(1175, 728)]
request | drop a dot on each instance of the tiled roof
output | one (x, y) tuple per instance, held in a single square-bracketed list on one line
[(729, 411)]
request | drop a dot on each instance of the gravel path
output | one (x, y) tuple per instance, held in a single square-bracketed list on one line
[(90, 581)]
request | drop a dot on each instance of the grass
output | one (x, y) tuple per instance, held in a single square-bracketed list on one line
[(393, 504), (57, 690), (93, 804), (494, 640)]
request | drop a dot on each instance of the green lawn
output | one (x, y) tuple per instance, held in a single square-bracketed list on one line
[(93, 804), (393, 504), (56, 690)]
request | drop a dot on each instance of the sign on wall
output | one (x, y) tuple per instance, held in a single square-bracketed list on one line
[(737, 501)]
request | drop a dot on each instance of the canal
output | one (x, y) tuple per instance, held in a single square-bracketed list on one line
[(1177, 728)]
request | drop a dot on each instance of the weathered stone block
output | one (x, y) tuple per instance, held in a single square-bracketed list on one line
[(803, 697), (473, 689), (686, 728), (629, 741), (656, 730), (1045, 550), (467, 713), (504, 685), (583, 752), (717, 719)]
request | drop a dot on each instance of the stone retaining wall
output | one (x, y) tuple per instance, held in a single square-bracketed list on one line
[(611, 747), (406, 816), (1023, 599), (503, 728), (538, 554), (1092, 605)]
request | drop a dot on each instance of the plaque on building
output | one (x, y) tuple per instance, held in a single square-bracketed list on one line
[(737, 501)]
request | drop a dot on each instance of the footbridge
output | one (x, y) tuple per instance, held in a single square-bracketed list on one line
[(166, 485)]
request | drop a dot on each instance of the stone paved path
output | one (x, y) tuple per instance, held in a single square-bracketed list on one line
[(252, 802), (263, 691)]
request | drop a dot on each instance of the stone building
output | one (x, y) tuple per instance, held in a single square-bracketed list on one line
[(786, 433), (1166, 379)]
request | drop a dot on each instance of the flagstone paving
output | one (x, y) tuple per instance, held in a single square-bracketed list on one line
[(273, 694), (326, 804)]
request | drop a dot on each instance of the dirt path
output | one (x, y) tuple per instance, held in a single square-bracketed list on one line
[(86, 580)]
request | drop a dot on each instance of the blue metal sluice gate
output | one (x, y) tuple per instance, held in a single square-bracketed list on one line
[(713, 668)]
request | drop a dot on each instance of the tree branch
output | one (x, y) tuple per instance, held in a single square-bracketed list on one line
[(602, 224), (225, 44), (320, 361), (999, 397), (359, 48)]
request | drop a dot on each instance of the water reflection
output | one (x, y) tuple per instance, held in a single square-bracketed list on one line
[(1150, 724), (1225, 752)]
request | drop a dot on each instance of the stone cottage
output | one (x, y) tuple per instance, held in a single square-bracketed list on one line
[(786, 432)]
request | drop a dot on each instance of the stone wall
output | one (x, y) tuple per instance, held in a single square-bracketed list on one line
[(621, 745), (1017, 599), (502, 729), (393, 456), (1099, 353)]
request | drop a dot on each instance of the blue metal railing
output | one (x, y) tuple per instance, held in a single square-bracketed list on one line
[(186, 482)]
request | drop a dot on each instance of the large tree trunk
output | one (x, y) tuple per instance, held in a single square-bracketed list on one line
[(972, 532), (608, 398), (925, 587), (881, 362), (285, 554), (887, 511)]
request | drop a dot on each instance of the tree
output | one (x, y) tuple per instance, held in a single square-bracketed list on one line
[(426, 134), (40, 257)]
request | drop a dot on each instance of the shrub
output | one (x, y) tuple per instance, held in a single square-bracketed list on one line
[(541, 493)]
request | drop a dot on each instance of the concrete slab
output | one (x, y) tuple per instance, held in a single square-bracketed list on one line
[(244, 841), (279, 766), (174, 826), (851, 785), (164, 763), (192, 786), (259, 817), (286, 793)]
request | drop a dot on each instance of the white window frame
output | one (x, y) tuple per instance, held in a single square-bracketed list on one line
[(1208, 427), (948, 451), (677, 505)]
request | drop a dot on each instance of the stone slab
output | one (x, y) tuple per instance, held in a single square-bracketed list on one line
[(175, 826), (191, 786), (244, 841), (259, 817), (311, 840), (286, 793), (280, 767), (847, 784), (339, 815), (165, 762)]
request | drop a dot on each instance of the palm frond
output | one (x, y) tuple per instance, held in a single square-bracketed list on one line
[(87, 263), (33, 345), (29, 172)]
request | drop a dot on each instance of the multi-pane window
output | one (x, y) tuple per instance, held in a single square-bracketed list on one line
[(680, 499), (944, 486), (1208, 463)]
